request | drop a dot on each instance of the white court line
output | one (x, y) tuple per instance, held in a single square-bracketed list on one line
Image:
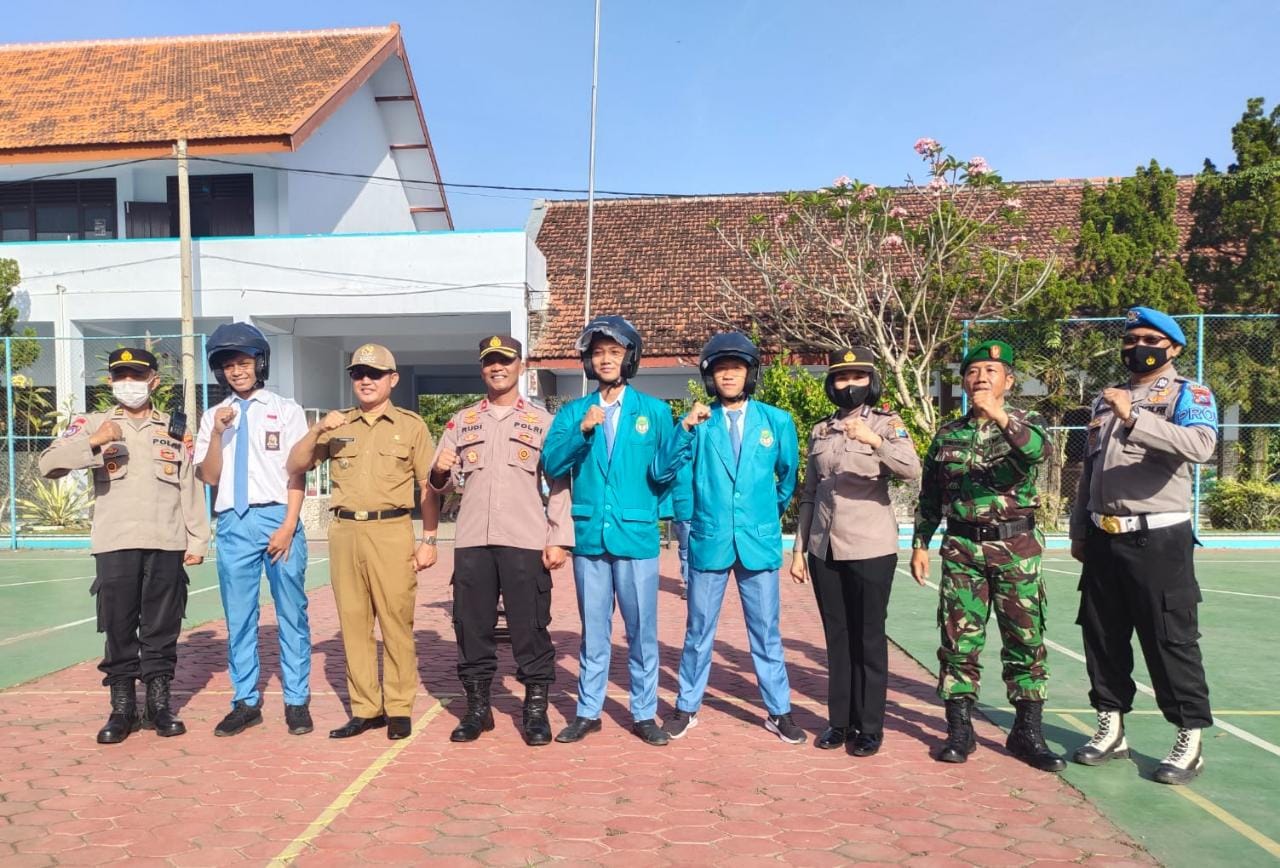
[(1207, 590), (44, 582), (1142, 688), (35, 634)]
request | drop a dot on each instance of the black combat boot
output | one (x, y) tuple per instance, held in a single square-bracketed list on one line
[(960, 739), (1026, 741), (158, 715), (124, 713), (537, 729), (479, 716)]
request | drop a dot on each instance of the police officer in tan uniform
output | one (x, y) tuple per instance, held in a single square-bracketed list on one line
[(850, 536), (376, 452), (506, 541), (1131, 528), (149, 522)]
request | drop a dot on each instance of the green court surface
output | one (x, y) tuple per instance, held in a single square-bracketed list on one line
[(1231, 813), (47, 619)]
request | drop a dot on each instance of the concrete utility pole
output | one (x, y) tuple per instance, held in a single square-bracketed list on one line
[(188, 300)]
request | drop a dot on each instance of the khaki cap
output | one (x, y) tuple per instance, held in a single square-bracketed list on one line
[(373, 356)]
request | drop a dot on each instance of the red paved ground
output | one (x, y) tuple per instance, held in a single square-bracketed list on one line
[(729, 793)]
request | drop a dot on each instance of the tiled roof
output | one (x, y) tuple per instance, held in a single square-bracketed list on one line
[(69, 99), (659, 262)]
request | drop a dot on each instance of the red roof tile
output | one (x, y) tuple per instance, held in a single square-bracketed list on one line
[(263, 91), (659, 263)]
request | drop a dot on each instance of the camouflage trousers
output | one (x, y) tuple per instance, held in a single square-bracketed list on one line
[(978, 577)]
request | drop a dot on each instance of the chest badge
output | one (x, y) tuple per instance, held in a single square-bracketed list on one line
[(168, 470), (470, 418), (469, 438), (272, 441), (472, 456), (524, 454), (766, 438), (642, 424), (525, 437)]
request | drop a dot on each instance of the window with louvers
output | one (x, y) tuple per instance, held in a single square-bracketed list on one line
[(221, 205), (63, 210)]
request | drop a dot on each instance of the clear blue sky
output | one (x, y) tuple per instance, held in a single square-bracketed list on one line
[(717, 96)]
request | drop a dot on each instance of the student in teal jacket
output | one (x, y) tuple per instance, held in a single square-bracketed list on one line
[(744, 456), (606, 442)]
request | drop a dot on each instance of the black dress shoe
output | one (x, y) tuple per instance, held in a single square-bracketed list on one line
[(650, 733), (578, 730), (357, 725), (867, 743), (398, 728), (833, 737)]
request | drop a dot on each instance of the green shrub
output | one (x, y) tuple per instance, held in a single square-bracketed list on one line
[(1237, 505)]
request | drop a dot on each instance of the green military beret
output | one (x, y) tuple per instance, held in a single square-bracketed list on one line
[(997, 351)]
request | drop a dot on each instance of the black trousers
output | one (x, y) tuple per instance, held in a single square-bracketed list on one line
[(141, 597), (853, 599), (1144, 581), (480, 573)]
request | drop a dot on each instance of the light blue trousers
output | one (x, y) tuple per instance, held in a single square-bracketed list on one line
[(242, 558), (634, 583), (759, 592)]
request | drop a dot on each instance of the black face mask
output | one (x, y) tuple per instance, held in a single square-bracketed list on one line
[(1144, 360), (851, 396)]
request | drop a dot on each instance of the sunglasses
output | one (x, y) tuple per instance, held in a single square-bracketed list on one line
[(1145, 340), (369, 373)]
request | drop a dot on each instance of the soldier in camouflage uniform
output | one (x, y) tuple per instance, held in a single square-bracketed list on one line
[(980, 474)]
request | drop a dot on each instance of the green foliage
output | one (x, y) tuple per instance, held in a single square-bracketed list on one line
[(437, 410), (23, 350), (1235, 237), (56, 503), (1250, 506)]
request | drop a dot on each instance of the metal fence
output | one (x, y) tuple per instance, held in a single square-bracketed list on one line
[(1064, 364), (47, 383)]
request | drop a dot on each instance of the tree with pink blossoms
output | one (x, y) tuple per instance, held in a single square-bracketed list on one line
[(897, 269)]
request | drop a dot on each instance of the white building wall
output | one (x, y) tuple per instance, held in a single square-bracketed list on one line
[(353, 140)]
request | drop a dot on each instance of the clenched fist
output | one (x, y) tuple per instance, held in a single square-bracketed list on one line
[(987, 405), (699, 413), (595, 415), (332, 420), (1121, 403), (445, 461), (222, 419), (107, 432), (856, 429)]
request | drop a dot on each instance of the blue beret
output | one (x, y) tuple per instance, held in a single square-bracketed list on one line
[(1158, 320)]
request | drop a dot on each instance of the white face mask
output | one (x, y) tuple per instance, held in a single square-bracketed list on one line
[(131, 393)]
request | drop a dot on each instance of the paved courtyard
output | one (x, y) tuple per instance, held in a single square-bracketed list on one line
[(728, 793)]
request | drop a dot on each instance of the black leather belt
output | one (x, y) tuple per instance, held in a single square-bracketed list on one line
[(990, 532), (362, 515)]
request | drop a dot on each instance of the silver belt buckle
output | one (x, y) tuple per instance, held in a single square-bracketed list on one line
[(362, 515)]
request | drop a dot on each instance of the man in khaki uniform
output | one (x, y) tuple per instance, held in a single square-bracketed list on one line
[(506, 542), (149, 522), (376, 452)]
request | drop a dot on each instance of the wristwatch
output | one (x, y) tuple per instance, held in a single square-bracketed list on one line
[(429, 540), (1133, 416)]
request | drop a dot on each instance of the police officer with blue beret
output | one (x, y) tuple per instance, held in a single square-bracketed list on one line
[(1131, 528)]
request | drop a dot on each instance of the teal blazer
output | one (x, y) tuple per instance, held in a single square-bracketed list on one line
[(615, 502), (737, 506)]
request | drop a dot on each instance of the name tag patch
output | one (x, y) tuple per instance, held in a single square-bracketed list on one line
[(271, 441)]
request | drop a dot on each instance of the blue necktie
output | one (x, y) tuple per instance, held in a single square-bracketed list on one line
[(735, 436), (240, 484), (610, 426)]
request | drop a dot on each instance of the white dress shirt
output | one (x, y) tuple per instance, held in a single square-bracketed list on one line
[(275, 425)]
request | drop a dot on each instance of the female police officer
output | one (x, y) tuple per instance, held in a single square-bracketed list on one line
[(850, 535)]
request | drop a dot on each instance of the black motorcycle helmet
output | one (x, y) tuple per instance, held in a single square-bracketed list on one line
[(238, 337), (853, 359), (730, 345), (615, 328)]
